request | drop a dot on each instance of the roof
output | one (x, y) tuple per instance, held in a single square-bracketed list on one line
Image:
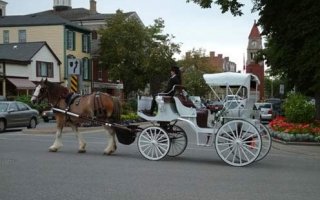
[(82, 14), (254, 33), (22, 52), (230, 79), (38, 20), (75, 14)]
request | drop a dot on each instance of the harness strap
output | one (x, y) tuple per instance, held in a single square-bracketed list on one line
[(99, 110)]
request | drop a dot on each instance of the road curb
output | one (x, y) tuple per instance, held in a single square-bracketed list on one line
[(296, 143)]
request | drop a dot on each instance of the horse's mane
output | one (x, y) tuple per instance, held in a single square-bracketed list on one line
[(57, 90)]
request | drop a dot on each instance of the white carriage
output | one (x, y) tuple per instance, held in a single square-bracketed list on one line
[(238, 139)]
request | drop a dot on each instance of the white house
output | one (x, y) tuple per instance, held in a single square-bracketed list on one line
[(24, 64)]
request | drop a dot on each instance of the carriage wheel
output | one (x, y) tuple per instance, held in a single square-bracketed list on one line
[(178, 140), (266, 141), (153, 143), (238, 143)]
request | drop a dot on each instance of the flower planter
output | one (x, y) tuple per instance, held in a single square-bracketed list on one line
[(289, 137)]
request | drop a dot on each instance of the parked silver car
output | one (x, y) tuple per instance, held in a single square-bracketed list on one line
[(17, 114), (263, 111)]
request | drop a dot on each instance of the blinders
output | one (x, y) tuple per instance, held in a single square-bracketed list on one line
[(40, 93)]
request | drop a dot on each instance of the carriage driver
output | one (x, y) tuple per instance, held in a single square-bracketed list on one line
[(175, 79)]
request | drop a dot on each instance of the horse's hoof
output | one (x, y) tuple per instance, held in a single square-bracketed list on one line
[(82, 151), (108, 153), (53, 150)]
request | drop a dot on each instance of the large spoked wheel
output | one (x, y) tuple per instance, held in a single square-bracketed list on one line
[(238, 143), (178, 140), (266, 141), (153, 143)]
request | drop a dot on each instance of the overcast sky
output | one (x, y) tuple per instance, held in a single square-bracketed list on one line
[(191, 25)]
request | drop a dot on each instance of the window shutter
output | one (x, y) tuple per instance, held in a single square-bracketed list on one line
[(37, 68), (89, 44), (83, 45), (74, 40), (89, 70), (50, 70)]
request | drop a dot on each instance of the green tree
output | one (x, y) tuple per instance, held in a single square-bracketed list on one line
[(292, 47), (134, 53), (234, 6), (291, 29)]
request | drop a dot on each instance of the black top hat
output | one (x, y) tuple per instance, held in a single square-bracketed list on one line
[(175, 69)]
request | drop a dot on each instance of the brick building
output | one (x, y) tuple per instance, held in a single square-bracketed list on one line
[(218, 63)]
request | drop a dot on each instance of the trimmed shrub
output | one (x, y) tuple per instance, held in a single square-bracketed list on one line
[(297, 109), (26, 99)]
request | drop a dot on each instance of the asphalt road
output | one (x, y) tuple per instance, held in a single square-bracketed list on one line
[(29, 171)]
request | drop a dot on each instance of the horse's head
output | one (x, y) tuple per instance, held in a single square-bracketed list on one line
[(41, 92)]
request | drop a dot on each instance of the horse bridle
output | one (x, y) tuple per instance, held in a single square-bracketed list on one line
[(44, 94)]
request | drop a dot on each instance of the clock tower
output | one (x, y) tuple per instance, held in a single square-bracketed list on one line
[(252, 66)]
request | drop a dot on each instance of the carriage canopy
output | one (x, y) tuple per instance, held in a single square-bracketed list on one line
[(230, 79)]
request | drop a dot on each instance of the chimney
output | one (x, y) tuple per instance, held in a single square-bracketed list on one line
[(93, 7), (212, 54), (3, 5)]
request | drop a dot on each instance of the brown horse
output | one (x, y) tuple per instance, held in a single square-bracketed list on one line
[(97, 106)]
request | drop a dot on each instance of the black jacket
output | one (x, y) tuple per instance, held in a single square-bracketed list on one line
[(175, 80)]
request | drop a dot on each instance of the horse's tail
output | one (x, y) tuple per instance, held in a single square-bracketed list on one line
[(116, 113)]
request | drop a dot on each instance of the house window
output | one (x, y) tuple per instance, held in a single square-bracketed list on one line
[(22, 36), (85, 43), (44, 69), (86, 69), (6, 37), (71, 42)]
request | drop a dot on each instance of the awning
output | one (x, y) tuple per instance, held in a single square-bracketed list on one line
[(22, 84)]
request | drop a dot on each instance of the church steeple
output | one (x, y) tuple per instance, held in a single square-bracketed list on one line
[(254, 43)]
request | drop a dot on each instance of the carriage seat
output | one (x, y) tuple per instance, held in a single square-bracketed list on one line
[(202, 117)]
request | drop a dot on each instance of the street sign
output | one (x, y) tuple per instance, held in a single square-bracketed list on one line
[(74, 83), (74, 66)]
